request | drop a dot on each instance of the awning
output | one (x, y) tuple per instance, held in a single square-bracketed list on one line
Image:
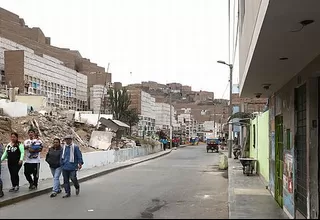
[(240, 115)]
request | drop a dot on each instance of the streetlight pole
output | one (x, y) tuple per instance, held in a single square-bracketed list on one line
[(230, 109), (170, 101), (214, 121)]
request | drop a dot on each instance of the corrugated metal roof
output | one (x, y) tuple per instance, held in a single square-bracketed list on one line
[(120, 123), (113, 124)]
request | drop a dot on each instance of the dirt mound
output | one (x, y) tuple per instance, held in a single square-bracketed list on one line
[(49, 127)]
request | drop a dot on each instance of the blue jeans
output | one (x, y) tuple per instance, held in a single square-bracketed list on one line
[(56, 172), (67, 175)]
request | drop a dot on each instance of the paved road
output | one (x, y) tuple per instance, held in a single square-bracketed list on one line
[(183, 184)]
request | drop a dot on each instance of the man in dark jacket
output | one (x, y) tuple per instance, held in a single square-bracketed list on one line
[(53, 158), (71, 162)]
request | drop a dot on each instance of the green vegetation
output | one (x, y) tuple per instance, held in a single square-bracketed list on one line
[(119, 102)]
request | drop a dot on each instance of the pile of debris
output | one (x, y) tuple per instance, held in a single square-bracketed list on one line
[(48, 127), (122, 143)]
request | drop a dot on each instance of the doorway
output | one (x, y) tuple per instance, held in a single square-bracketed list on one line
[(279, 160), (301, 151)]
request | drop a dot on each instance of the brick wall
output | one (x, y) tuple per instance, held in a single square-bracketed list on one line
[(250, 104), (15, 24), (9, 16), (135, 95), (14, 68), (67, 58), (117, 85)]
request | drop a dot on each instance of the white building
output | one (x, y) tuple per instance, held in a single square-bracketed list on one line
[(144, 103), (163, 117), (212, 126), (209, 125), (96, 95), (188, 124), (42, 75), (146, 125)]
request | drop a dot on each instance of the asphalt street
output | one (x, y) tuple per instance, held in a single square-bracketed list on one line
[(184, 184)]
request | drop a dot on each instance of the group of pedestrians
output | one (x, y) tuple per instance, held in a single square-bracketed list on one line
[(63, 158)]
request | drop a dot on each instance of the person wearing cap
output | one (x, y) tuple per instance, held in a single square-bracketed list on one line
[(71, 162)]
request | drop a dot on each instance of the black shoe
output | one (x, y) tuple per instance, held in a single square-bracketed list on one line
[(77, 191), (54, 194), (66, 195), (33, 187), (30, 186), (11, 190), (1, 194)]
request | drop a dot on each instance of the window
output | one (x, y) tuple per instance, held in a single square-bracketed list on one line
[(254, 136)]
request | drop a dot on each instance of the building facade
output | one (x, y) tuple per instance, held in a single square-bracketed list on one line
[(279, 60), (188, 125), (144, 103), (97, 93), (163, 116), (16, 35), (43, 75)]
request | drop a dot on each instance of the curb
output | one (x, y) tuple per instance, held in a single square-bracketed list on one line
[(86, 178), (184, 145), (230, 192)]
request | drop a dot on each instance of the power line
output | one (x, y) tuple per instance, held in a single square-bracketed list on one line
[(233, 24), (225, 90), (236, 42), (229, 27)]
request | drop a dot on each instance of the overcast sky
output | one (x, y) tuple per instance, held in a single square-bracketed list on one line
[(158, 40)]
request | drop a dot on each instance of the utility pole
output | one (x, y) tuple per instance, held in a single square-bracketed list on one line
[(214, 121), (102, 97), (230, 109), (170, 101), (230, 113)]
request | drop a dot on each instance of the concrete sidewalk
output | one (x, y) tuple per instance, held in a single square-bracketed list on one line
[(248, 196), (45, 186)]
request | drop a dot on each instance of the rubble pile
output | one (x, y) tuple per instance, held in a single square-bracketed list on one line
[(48, 127), (122, 143), (126, 142)]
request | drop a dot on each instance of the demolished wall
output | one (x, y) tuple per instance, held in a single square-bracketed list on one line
[(101, 139)]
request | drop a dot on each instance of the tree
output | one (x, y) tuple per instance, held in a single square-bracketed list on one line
[(132, 118), (119, 101)]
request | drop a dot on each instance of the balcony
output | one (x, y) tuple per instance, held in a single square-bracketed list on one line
[(276, 42)]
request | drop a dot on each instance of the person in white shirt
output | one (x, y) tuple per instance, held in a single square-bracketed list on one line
[(33, 147)]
